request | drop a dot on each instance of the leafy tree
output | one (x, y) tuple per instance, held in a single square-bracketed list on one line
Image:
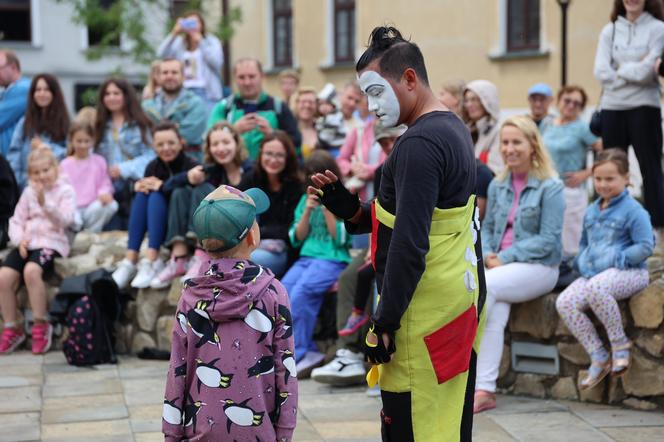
[(111, 19)]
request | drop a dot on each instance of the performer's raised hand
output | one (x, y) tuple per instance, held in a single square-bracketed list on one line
[(334, 195)]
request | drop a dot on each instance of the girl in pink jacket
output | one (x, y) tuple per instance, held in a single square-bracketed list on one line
[(37, 229), (88, 173)]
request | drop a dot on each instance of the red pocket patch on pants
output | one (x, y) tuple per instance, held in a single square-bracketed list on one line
[(450, 346)]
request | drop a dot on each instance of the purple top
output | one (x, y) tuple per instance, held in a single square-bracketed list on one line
[(232, 372), (519, 181)]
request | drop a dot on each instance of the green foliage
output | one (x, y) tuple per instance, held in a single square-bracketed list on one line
[(89, 96), (226, 27)]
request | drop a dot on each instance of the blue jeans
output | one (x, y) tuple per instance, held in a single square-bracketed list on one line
[(148, 214), (276, 262), (307, 282)]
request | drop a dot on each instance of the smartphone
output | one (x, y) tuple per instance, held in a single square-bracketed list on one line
[(188, 24), (250, 108)]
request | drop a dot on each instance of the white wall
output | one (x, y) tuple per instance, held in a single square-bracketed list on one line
[(60, 45)]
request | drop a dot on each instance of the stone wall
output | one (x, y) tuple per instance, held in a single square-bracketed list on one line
[(641, 387)]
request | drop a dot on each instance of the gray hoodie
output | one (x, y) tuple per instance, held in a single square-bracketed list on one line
[(631, 81), (488, 126)]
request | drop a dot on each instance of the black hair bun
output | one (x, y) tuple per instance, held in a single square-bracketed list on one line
[(382, 37)]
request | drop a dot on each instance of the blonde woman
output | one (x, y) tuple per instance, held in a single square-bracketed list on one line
[(306, 112), (521, 240)]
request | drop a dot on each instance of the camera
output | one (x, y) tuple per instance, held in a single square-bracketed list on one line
[(189, 24)]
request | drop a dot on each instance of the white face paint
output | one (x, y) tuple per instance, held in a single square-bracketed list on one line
[(381, 98)]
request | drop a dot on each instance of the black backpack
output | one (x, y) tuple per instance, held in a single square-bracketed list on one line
[(92, 305)]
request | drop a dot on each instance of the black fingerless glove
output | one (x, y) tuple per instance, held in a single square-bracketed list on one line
[(378, 354), (339, 200)]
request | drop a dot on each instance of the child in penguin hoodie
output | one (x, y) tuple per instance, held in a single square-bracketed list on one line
[(232, 371)]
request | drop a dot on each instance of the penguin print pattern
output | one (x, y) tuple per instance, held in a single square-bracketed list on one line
[(211, 376), (265, 365), (240, 414), (226, 328), (260, 320)]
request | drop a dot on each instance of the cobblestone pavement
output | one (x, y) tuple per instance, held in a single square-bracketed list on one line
[(43, 398)]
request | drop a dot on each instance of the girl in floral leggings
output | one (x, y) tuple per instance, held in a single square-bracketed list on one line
[(617, 239)]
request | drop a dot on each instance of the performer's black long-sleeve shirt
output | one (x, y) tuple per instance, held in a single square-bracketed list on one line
[(432, 165)]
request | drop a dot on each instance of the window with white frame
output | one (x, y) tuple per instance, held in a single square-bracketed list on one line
[(282, 33), (344, 31), (523, 26), (16, 20)]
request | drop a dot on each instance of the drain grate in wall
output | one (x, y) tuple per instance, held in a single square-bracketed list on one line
[(535, 358)]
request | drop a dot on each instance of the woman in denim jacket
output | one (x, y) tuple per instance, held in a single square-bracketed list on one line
[(617, 239), (521, 241), (123, 138)]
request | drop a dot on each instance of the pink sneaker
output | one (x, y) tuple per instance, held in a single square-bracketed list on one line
[(41, 338), (195, 263), (10, 340), (354, 323), (174, 268)]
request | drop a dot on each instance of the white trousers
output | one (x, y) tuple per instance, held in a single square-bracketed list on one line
[(95, 216), (507, 284), (576, 203)]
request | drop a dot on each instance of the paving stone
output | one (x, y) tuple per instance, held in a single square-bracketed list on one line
[(305, 431), (20, 358), (15, 400), (519, 404), (18, 427), (21, 375), (486, 429), (149, 437), (81, 375), (333, 409), (549, 427), (97, 431), (84, 408), (605, 416), (146, 370), (144, 391), (108, 386), (54, 357), (146, 418), (354, 429), (631, 434)]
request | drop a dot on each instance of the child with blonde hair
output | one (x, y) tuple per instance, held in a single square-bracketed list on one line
[(88, 173), (38, 231)]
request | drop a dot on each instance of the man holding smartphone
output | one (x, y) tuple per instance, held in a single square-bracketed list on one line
[(253, 112)]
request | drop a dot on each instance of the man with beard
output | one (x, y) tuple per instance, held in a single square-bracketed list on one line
[(178, 105), (425, 249)]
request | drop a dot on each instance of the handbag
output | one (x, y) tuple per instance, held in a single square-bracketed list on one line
[(595, 125)]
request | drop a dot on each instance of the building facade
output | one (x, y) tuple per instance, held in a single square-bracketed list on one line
[(513, 43), (45, 38)]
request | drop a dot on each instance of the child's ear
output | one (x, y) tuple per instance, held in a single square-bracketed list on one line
[(252, 240)]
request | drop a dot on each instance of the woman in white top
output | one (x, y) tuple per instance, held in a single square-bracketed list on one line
[(626, 54), (200, 53)]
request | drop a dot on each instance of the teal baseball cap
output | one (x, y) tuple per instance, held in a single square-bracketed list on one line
[(227, 215)]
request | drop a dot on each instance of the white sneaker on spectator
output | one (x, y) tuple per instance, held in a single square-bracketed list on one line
[(147, 270), (347, 368), (124, 273), (310, 360)]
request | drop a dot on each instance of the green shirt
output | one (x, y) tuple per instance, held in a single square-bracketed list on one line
[(319, 243)]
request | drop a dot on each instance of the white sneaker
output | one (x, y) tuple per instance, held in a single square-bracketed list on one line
[(124, 273), (147, 270), (347, 368), (310, 360)]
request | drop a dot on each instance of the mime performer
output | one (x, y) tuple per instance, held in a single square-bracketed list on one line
[(425, 249)]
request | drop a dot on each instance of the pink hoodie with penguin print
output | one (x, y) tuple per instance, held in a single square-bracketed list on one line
[(232, 371)]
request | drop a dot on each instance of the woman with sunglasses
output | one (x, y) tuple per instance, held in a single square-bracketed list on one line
[(568, 139)]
